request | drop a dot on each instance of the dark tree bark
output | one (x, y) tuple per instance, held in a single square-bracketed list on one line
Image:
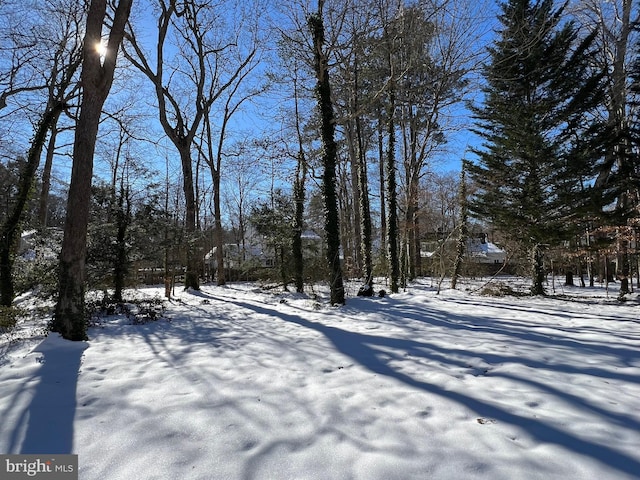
[(361, 194), (298, 198), (121, 261), (329, 157), (392, 197), (298, 256), (365, 210), (43, 208), (537, 270), (214, 167), (568, 278), (463, 229), (183, 145), (623, 264), (96, 78), (383, 196)]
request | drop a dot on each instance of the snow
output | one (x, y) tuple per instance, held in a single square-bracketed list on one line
[(240, 383)]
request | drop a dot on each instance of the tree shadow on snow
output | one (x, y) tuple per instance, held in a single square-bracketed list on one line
[(527, 334), (372, 352), (47, 422)]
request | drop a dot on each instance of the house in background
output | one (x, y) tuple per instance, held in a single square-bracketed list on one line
[(481, 250), (481, 255), (242, 262), (235, 256)]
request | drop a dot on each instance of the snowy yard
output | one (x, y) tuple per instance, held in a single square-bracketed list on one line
[(238, 383)]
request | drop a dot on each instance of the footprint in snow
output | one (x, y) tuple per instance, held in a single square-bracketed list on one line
[(485, 421)]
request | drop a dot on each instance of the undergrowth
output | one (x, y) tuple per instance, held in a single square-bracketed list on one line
[(137, 310), (9, 317)]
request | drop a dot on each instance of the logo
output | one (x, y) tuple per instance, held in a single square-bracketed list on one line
[(49, 467)]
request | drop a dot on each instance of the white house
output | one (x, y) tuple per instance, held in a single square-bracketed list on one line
[(235, 256), (481, 250), (260, 255)]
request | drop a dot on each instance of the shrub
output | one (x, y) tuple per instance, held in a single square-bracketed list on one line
[(9, 318), (138, 311)]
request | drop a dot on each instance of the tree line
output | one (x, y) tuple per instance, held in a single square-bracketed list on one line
[(208, 120)]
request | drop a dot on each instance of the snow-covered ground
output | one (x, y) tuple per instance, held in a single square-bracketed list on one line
[(239, 383)]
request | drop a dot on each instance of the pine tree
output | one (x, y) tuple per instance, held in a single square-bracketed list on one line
[(535, 160), (273, 220)]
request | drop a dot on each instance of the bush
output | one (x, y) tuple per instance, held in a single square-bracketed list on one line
[(9, 318), (37, 268), (138, 311), (502, 290)]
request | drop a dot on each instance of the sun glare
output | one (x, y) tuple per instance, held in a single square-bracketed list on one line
[(101, 48)]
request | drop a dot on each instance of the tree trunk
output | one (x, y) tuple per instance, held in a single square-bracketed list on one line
[(299, 195), (96, 78), (168, 276), (392, 198), (410, 225), (191, 278), (356, 194), (365, 210), (218, 233), (623, 262), (537, 271), (70, 312), (463, 232), (417, 248), (120, 267), (43, 207), (383, 196), (568, 278), (329, 158)]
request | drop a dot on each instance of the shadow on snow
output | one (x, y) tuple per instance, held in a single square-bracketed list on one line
[(369, 351), (48, 420)]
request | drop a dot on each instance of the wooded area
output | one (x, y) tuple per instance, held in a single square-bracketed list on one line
[(189, 141)]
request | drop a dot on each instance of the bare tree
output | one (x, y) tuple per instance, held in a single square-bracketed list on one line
[(67, 17), (96, 78), (21, 53), (241, 179), (215, 149), (188, 78)]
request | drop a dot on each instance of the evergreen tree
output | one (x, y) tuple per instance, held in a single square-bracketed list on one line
[(535, 122), (273, 220), (635, 123)]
